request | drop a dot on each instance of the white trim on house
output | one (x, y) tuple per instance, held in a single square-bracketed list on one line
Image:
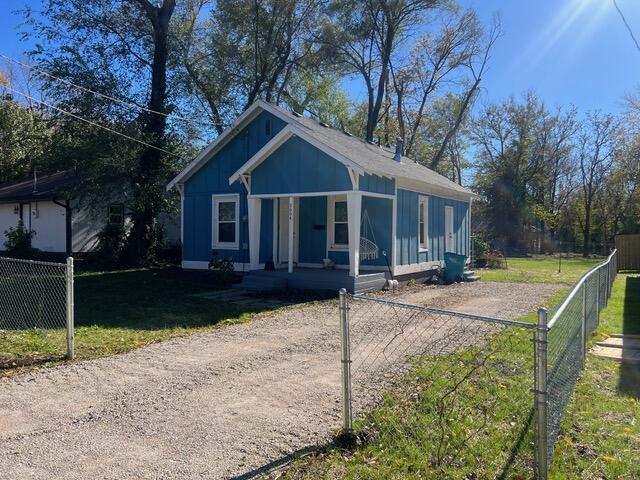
[(423, 207), (216, 199), (415, 267), (426, 189), (376, 195), (254, 216), (285, 134), (309, 194), (320, 194), (181, 190), (331, 206), (275, 227), (394, 228), (354, 214), (449, 228)]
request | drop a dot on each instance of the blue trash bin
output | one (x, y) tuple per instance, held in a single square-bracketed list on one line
[(453, 267)]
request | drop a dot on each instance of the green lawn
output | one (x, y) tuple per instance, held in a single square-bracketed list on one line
[(600, 436), (118, 311), (540, 269)]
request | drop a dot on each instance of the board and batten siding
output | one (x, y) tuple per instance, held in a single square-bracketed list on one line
[(376, 184), (407, 249), (299, 167), (213, 178)]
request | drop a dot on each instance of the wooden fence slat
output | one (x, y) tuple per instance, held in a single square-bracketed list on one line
[(628, 252)]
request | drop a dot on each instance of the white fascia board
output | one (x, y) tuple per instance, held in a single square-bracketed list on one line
[(285, 134), (431, 189), (247, 116)]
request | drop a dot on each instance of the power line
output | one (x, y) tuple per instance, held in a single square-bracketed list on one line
[(626, 24), (126, 103), (90, 122)]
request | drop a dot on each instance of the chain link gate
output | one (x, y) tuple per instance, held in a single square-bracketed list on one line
[(36, 309), (459, 379)]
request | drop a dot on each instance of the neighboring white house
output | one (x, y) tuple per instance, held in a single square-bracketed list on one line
[(61, 225)]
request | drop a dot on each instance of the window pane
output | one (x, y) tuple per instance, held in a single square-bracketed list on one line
[(341, 236), (422, 233), (227, 232), (341, 211), (422, 205), (227, 211)]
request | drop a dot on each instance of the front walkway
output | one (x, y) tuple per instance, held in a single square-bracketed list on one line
[(213, 405)]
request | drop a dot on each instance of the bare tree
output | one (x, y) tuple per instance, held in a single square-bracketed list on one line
[(435, 59), (596, 147), (364, 36), (477, 65)]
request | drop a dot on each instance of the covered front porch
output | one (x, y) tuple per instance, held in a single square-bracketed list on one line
[(347, 232)]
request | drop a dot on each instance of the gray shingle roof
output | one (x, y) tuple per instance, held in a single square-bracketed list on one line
[(371, 157)]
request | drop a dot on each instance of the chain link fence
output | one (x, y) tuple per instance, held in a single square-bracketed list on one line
[(463, 390), (562, 346), (36, 311), (446, 386)]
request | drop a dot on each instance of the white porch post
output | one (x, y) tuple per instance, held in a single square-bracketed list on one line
[(354, 206), (254, 216), (291, 226)]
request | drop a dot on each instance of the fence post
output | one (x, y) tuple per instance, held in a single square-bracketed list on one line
[(583, 326), (598, 294), (346, 361), (541, 396), (70, 319)]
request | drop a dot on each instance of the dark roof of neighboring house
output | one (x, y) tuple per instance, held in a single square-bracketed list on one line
[(42, 187)]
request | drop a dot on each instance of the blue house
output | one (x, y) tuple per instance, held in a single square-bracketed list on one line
[(328, 209)]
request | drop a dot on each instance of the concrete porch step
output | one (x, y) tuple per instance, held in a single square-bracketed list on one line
[(622, 348), (470, 276), (620, 342), (622, 355)]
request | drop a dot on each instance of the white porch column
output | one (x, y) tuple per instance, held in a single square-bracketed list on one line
[(354, 206), (254, 216), (291, 227)]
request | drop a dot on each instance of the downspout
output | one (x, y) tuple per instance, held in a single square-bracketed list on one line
[(68, 225)]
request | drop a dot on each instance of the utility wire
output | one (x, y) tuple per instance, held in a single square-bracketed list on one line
[(102, 95), (626, 24), (90, 122)]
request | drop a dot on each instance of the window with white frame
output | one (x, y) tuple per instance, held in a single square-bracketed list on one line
[(338, 223), (225, 221), (423, 222)]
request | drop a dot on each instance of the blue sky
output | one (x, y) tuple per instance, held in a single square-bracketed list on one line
[(568, 51)]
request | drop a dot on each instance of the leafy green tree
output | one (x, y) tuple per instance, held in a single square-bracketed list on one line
[(24, 137), (124, 49)]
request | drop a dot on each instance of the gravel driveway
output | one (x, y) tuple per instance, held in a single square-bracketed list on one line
[(214, 405)]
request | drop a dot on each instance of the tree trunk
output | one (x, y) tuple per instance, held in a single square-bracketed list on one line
[(143, 237), (586, 233)]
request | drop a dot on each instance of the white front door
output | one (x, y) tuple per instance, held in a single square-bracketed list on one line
[(283, 230), (448, 229)]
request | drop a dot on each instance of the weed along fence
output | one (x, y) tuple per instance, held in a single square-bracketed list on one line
[(36, 311), (467, 396)]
